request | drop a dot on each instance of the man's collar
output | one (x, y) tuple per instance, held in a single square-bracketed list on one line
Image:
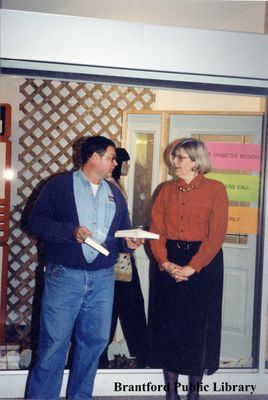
[(84, 179)]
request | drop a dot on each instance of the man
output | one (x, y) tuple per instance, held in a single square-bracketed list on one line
[(79, 284)]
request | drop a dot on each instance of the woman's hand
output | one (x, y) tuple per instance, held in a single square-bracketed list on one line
[(187, 271), (177, 272), (169, 267)]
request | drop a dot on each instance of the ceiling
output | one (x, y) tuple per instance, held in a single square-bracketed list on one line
[(242, 16)]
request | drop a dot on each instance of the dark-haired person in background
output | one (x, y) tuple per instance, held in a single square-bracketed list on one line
[(128, 299), (191, 215), (79, 281)]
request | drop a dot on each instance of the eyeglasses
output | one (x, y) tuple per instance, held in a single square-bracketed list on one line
[(178, 157)]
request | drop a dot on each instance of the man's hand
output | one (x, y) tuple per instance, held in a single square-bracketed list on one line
[(80, 233), (134, 243)]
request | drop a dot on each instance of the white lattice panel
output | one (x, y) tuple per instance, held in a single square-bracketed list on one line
[(55, 115)]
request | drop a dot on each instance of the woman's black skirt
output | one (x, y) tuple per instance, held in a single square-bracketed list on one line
[(188, 334)]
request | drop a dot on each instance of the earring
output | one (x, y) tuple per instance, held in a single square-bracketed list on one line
[(194, 169)]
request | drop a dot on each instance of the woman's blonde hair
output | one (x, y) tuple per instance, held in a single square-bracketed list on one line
[(196, 150)]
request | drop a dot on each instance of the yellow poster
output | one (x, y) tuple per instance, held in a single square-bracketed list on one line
[(242, 220)]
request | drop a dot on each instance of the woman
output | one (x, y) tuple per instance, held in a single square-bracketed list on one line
[(128, 303), (190, 214)]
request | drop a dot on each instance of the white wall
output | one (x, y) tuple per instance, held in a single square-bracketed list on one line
[(246, 16), (114, 44)]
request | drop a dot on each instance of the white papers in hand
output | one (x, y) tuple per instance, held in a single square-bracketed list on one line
[(96, 246), (136, 234)]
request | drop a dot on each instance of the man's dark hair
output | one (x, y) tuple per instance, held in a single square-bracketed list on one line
[(94, 144)]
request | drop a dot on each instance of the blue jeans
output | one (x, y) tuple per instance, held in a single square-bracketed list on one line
[(79, 301)]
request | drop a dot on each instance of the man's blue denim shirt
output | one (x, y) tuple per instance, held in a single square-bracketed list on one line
[(94, 212)]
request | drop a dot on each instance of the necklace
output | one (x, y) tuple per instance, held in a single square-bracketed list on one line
[(186, 189)]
